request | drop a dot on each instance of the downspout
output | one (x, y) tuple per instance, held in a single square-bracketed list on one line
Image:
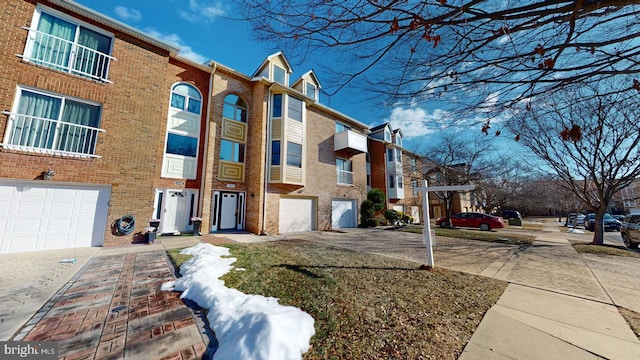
[(206, 146)]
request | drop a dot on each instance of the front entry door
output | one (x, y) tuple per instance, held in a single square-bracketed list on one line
[(228, 213), (176, 212)]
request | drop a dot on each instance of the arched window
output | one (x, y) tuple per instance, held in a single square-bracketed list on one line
[(186, 97), (183, 132), (234, 108)]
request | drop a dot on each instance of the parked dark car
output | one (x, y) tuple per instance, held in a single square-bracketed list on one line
[(630, 231), (610, 223), (620, 218), (511, 214), (473, 219)]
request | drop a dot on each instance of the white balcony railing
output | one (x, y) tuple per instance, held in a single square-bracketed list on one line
[(68, 56), (345, 177), (36, 134)]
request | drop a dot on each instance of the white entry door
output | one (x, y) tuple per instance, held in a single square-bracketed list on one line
[(176, 212), (229, 211)]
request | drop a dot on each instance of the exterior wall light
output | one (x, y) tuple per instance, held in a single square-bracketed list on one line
[(47, 175)]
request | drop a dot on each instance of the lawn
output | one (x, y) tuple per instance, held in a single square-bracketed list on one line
[(491, 236), (367, 306), (605, 249)]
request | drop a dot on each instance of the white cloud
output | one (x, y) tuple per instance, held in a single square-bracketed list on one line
[(174, 39), (128, 13), (199, 10), (489, 102), (416, 122)]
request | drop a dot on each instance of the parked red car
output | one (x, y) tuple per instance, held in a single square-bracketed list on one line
[(484, 222)]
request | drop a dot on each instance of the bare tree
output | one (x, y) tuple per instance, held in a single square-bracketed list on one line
[(588, 139), (454, 160), (506, 187), (487, 54)]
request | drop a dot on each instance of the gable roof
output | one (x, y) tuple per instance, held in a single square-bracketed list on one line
[(380, 127), (269, 59), (311, 74)]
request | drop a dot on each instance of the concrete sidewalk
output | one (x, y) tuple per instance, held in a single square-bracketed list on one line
[(554, 307)]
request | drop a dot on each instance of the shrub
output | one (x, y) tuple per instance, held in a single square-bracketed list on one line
[(372, 223), (392, 216), (377, 197), (366, 212)]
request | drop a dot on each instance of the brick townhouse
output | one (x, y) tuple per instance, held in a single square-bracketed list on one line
[(102, 124), (398, 172)]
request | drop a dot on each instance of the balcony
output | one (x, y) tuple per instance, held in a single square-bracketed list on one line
[(345, 177), (42, 135), (68, 56), (349, 143)]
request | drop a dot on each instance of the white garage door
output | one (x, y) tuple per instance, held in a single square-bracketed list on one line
[(296, 215), (43, 216), (343, 213)]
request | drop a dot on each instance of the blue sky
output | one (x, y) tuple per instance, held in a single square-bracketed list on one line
[(203, 30)]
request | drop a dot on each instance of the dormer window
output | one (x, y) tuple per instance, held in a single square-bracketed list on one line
[(311, 90), (398, 140), (279, 75), (387, 135)]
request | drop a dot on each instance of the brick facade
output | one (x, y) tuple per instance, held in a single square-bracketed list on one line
[(134, 116), (135, 106)]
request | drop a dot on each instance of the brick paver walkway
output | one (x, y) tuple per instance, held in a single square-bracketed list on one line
[(114, 309)]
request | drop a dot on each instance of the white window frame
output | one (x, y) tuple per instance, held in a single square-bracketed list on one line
[(13, 117), (344, 177), (313, 88), (182, 160), (31, 38), (291, 155), (284, 75)]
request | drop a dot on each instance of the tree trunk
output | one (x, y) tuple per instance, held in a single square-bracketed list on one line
[(598, 227)]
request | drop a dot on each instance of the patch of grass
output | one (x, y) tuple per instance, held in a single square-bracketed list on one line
[(633, 318), (176, 258), (533, 226), (367, 306), (589, 248), (516, 239)]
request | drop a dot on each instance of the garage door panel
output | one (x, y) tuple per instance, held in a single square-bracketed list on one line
[(59, 224), (60, 241), (39, 216), (25, 225), (27, 207), (62, 208), (28, 192), (23, 243)]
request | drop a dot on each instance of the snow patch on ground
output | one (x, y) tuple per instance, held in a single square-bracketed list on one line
[(246, 326)]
